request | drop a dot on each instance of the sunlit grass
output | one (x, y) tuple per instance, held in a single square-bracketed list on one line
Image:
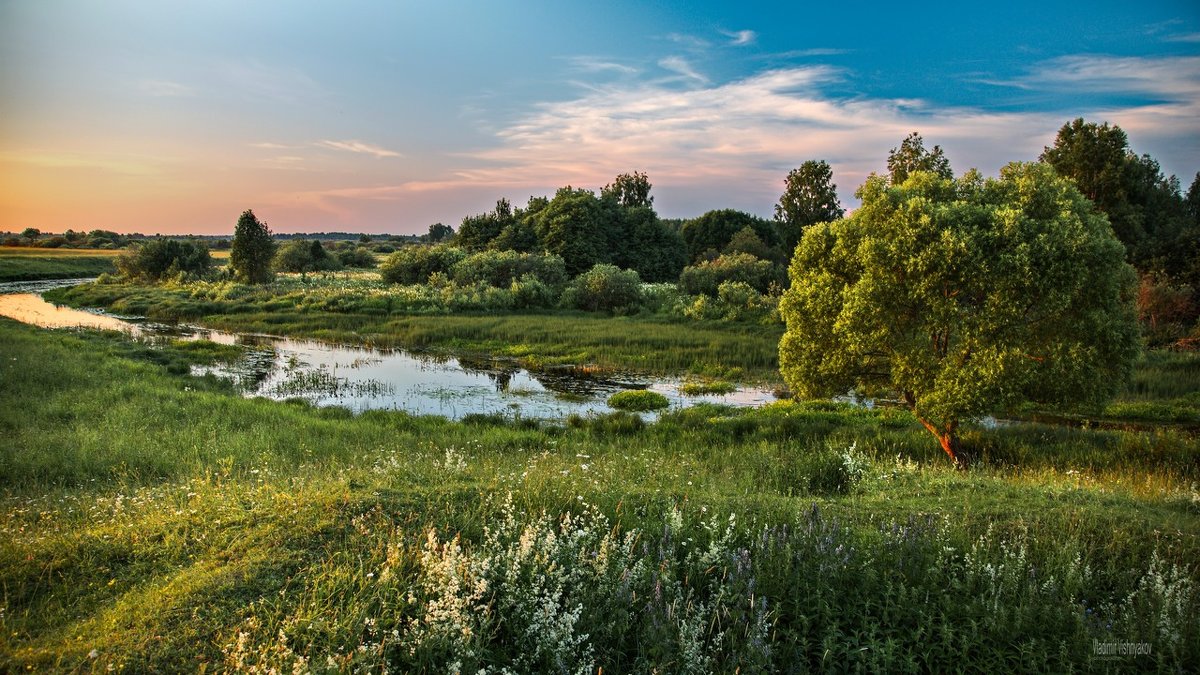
[(159, 522)]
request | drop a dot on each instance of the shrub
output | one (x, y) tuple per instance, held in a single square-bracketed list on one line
[(529, 292), (638, 400), (503, 268), (360, 256), (300, 255), (161, 258), (415, 264), (604, 288), (706, 278)]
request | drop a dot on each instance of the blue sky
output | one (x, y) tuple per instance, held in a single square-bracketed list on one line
[(389, 116)]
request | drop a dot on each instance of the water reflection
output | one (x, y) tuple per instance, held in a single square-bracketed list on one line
[(363, 378)]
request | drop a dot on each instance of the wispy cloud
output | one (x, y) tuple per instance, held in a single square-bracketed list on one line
[(688, 41), (1098, 73), (271, 146), (680, 66), (804, 53), (595, 64), (740, 137), (165, 88), (359, 147), (1183, 37), (740, 38)]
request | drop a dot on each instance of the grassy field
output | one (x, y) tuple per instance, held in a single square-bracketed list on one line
[(357, 308), (154, 521), (30, 264)]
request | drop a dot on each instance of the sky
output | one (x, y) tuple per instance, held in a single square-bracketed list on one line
[(174, 117)]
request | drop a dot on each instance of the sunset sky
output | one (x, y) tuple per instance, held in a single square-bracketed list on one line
[(174, 117)]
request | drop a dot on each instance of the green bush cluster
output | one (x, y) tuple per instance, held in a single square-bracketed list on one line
[(604, 288), (416, 264), (706, 278), (300, 255), (159, 259)]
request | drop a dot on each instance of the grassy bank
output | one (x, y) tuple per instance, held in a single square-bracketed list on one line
[(153, 521), (31, 264), (356, 307)]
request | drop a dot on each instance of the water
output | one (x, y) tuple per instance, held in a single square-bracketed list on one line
[(362, 378)]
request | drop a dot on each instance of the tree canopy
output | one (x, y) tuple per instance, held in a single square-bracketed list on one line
[(252, 250), (964, 298), (809, 197), (912, 156), (714, 230), (629, 190)]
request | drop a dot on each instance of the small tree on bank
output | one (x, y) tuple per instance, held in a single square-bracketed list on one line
[(964, 297), (252, 250)]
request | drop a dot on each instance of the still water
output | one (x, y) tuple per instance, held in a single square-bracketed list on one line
[(362, 378)]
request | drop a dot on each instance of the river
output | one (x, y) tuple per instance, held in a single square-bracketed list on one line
[(362, 378)]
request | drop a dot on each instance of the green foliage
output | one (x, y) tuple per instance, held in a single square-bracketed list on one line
[(1146, 210), (809, 197), (416, 264), (502, 268), (358, 256), (629, 190), (637, 400), (643, 244), (477, 232), (299, 255), (604, 288), (252, 250), (735, 301), (159, 259), (715, 229), (912, 157), (439, 233), (706, 278), (574, 226), (965, 297)]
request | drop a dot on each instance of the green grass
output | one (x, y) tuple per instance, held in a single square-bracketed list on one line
[(699, 388), (638, 400), (152, 521), (52, 264), (356, 308)]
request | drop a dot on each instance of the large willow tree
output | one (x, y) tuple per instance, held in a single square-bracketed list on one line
[(962, 298)]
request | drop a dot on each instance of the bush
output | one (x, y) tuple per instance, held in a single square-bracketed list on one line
[(415, 264), (638, 400), (605, 288), (502, 268), (300, 255), (161, 258), (735, 301), (529, 292), (359, 256), (707, 277)]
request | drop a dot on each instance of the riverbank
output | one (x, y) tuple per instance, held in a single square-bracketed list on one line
[(157, 521), (357, 308)]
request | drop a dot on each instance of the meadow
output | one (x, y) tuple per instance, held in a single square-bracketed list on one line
[(156, 521), (33, 263)]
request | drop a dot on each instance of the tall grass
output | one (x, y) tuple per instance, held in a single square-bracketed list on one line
[(151, 521), (355, 308)]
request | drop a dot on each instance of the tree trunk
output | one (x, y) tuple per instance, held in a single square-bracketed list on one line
[(948, 438)]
